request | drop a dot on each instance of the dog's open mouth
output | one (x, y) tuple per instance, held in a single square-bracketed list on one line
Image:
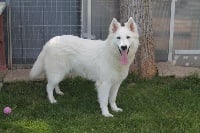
[(124, 56)]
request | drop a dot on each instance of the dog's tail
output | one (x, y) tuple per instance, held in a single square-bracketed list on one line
[(38, 66)]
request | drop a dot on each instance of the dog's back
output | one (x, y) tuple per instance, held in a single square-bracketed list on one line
[(69, 53)]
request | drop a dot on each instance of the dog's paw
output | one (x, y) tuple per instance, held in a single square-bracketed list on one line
[(107, 114), (117, 109), (53, 101), (60, 93)]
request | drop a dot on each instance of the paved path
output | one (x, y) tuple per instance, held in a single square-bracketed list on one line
[(19, 75), (164, 69), (167, 69)]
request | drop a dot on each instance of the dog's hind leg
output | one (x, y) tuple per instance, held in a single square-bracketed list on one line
[(58, 91), (103, 89), (50, 88), (112, 98), (53, 81)]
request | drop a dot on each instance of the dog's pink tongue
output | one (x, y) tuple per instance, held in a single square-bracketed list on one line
[(124, 57)]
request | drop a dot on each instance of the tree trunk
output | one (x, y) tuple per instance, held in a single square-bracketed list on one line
[(141, 11)]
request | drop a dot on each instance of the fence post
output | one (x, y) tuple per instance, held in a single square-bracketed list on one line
[(171, 38)]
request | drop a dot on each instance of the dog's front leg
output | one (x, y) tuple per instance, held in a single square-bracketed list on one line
[(112, 98), (103, 90)]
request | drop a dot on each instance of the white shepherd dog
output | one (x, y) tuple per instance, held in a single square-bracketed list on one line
[(105, 62)]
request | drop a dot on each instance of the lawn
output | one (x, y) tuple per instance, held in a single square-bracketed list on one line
[(165, 105)]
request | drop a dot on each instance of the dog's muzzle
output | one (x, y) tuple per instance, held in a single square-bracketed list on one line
[(123, 48)]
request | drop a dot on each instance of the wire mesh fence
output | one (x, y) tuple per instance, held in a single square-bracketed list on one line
[(103, 11), (187, 33), (33, 22), (161, 24), (187, 25)]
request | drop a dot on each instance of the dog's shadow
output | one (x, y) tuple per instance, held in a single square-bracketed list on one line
[(79, 95)]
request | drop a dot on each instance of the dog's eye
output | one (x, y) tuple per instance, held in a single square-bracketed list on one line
[(128, 37), (118, 37)]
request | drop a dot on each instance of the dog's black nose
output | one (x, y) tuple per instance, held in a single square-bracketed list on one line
[(124, 47)]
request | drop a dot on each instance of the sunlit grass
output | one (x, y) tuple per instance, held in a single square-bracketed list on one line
[(158, 105)]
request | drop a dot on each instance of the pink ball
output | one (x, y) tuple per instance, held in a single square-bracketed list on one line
[(7, 110)]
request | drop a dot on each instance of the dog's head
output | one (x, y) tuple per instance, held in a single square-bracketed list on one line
[(125, 38)]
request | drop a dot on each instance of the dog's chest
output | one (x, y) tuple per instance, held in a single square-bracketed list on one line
[(120, 74)]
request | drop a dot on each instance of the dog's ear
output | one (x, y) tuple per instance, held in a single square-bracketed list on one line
[(131, 25), (114, 26)]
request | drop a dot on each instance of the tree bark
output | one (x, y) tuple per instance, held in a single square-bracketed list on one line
[(141, 11)]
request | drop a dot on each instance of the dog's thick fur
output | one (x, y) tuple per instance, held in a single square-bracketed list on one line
[(105, 62)]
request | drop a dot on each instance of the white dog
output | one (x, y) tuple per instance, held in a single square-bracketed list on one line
[(105, 62)]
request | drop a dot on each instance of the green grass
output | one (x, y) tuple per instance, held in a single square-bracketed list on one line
[(159, 105)]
